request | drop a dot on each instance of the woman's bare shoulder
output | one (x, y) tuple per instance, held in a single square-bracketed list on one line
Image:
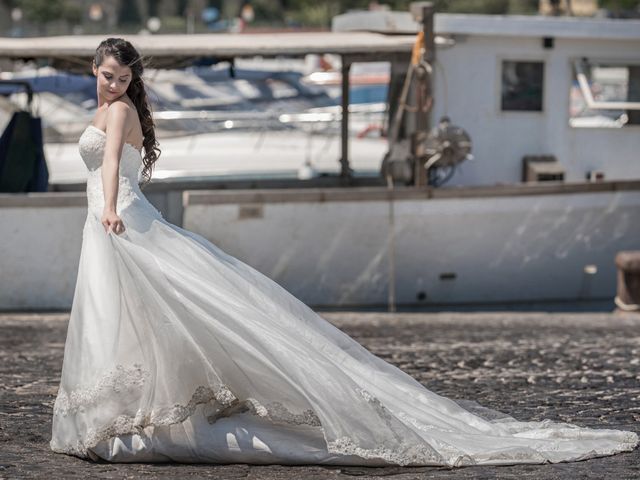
[(119, 107), (124, 107), (123, 114)]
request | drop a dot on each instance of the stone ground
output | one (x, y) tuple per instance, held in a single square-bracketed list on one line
[(580, 368)]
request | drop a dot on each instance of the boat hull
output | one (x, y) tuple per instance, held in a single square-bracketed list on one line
[(437, 248)]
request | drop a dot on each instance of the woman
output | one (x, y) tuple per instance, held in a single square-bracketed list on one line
[(178, 351)]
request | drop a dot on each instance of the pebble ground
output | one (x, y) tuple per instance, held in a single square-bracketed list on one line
[(582, 368)]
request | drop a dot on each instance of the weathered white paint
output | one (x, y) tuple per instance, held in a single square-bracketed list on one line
[(40, 254), (501, 249), (469, 74), (516, 26), (467, 83), (331, 247), (490, 25)]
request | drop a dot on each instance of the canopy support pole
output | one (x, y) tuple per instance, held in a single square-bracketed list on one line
[(345, 170)]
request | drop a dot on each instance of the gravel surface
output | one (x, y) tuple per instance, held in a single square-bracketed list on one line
[(580, 368)]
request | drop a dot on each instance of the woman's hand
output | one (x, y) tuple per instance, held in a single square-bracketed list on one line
[(111, 221)]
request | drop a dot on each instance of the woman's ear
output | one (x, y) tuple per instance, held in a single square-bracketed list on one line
[(94, 68)]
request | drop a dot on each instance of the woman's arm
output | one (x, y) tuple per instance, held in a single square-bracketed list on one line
[(116, 134)]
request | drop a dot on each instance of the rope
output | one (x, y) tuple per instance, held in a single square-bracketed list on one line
[(416, 53), (627, 307)]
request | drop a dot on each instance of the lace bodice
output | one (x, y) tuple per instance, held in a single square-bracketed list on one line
[(91, 146)]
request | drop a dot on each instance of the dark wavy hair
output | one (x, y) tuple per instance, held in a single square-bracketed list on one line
[(126, 55)]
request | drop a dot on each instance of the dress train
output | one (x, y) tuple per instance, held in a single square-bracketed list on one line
[(178, 351)]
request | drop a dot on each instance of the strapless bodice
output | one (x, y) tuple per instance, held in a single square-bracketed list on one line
[(91, 146)]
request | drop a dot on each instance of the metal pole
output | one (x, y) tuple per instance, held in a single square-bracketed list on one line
[(345, 171), (391, 252), (423, 12)]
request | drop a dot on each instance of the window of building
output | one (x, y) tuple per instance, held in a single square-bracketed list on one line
[(604, 94), (522, 86)]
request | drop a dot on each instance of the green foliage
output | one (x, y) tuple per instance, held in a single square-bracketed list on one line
[(524, 7), (73, 14), (489, 7), (617, 5), (267, 11), (313, 12), (42, 11), (318, 14), (128, 14), (494, 7), (174, 24), (152, 7)]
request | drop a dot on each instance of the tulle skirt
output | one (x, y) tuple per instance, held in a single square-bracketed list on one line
[(177, 351)]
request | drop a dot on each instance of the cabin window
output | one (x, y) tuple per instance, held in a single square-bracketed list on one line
[(522, 86), (604, 94)]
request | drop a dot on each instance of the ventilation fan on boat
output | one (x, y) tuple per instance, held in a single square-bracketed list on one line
[(443, 150)]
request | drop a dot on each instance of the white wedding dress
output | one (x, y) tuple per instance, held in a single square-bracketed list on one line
[(177, 351)]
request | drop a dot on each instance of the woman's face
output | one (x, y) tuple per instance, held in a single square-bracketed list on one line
[(113, 78)]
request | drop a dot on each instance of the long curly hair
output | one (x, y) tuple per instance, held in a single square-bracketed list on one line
[(126, 55)]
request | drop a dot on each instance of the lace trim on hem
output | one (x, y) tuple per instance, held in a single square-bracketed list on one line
[(406, 454), (220, 402), (119, 380)]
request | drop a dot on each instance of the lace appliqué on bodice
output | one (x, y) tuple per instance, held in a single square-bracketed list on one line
[(91, 146)]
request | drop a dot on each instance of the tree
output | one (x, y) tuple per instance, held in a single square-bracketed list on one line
[(152, 8), (621, 7), (42, 11), (128, 13), (619, 4)]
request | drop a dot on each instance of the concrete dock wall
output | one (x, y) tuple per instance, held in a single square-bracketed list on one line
[(333, 248), (40, 249), (343, 247)]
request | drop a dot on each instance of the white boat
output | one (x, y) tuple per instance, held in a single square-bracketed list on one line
[(540, 98)]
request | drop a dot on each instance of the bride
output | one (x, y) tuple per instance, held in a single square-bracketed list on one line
[(177, 351)]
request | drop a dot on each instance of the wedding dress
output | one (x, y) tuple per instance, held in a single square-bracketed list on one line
[(177, 351)]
